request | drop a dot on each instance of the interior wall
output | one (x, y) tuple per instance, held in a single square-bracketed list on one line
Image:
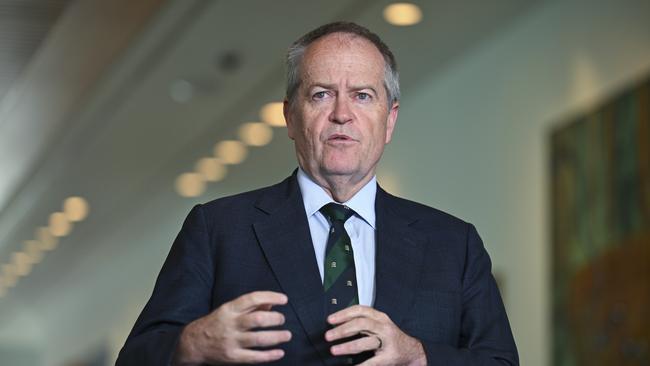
[(473, 140)]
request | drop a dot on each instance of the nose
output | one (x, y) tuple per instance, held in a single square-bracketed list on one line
[(341, 112)]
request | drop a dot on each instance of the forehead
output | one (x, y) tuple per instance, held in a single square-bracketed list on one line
[(342, 54)]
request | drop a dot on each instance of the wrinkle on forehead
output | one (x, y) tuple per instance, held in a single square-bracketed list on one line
[(342, 51)]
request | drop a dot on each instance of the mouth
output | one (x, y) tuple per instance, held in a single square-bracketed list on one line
[(337, 137)]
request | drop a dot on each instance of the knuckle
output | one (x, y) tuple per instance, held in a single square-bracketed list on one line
[(258, 318), (222, 309), (253, 296), (345, 347), (365, 323), (387, 329), (228, 307), (229, 354), (241, 323)]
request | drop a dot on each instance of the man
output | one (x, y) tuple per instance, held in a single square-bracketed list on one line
[(326, 268)]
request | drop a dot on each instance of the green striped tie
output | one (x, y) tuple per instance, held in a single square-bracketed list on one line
[(340, 282)]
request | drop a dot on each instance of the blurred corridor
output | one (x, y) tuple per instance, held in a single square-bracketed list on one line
[(116, 117)]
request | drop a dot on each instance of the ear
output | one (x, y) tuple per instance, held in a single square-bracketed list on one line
[(286, 110), (391, 121)]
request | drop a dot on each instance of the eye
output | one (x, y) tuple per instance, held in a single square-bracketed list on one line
[(364, 96), (319, 95)]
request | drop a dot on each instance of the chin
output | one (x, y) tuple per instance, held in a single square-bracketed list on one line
[(340, 169)]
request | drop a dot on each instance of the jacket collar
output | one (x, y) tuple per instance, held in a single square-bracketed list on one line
[(285, 240)]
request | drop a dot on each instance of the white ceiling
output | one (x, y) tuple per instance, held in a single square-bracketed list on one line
[(111, 133)]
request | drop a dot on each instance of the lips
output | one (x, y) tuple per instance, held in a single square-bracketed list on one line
[(339, 137)]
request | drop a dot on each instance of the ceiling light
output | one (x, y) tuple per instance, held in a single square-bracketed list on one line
[(10, 281), (272, 114), (22, 263), (255, 133), (190, 184), (230, 151), (402, 14), (9, 276), (75, 208), (181, 91), (211, 169), (8, 270), (59, 224), (45, 239), (33, 251)]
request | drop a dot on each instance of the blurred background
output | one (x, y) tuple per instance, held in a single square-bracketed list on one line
[(116, 117)]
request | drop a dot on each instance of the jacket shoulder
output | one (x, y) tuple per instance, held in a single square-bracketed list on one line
[(424, 214)]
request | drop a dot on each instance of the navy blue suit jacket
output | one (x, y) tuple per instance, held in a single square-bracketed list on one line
[(432, 278)]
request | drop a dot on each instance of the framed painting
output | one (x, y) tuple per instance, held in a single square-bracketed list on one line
[(600, 189)]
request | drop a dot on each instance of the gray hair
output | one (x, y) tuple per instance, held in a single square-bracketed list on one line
[(297, 51)]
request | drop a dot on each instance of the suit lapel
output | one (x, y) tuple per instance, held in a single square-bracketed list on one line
[(286, 242), (398, 259)]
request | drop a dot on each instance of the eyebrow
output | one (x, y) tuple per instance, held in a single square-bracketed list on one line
[(333, 86)]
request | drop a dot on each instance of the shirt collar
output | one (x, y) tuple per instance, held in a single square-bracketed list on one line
[(314, 197)]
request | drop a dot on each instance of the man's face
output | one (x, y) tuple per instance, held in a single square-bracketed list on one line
[(340, 119)]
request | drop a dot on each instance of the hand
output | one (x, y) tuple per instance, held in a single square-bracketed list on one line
[(391, 345), (225, 336)]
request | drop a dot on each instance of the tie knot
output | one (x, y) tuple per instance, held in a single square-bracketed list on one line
[(336, 212)]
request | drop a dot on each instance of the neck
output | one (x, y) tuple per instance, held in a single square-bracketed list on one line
[(341, 187)]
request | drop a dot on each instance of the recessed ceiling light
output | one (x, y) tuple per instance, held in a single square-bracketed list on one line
[(10, 281), (402, 14), (22, 263), (181, 91), (190, 184), (45, 239), (8, 270), (255, 133), (230, 151), (33, 251), (75, 208), (272, 114), (211, 169), (59, 224), (9, 276)]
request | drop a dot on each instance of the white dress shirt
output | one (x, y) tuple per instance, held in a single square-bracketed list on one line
[(360, 228)]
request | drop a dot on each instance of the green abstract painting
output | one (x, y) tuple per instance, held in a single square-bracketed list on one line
[(600, 188)]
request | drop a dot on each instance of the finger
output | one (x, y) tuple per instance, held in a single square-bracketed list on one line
[(351, 328), (351, 312), (356, 346), (253, 300), (264, 338), (251, 356), (260, 319)]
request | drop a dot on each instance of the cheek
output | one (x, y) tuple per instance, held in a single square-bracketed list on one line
[(311, 134), (308, 142), (377, 142), (308, 136)]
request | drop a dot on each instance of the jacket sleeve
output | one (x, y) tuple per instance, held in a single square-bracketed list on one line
[(182, 294), (485, 335)]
